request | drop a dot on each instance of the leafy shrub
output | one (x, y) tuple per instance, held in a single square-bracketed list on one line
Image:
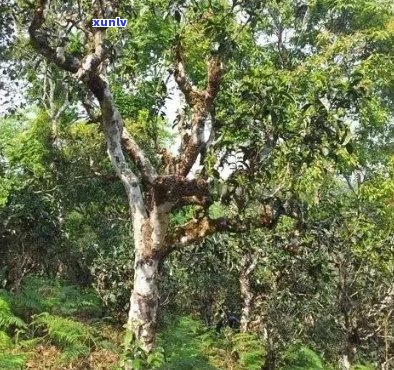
[(299, 357), (111, 270)]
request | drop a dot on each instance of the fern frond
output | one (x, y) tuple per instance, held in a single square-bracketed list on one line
[(9, 361), (65, 332), (28, 344), (7, 318), (250, 350), (54, 296), (5, 341), (73, 353)]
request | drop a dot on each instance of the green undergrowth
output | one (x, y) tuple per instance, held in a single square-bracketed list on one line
[(298, 357), (37, 295), (188, 344), (50, 314), (74, 338), (10, 358), (56, 322), (184, 343)]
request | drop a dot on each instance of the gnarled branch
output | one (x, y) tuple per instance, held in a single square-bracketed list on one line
[(198, 229), (143, 163), (40, 42), (180, 191), (189, 91), (92, 71), (200, 102)]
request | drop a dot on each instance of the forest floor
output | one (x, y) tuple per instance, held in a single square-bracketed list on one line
[(53, 325), (49, 324)]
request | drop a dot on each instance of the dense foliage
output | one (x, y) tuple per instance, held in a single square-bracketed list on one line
[(298, 171)]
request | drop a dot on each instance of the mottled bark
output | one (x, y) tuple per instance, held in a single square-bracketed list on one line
[(345, 362), (247, 300), (144, 300), (247, 294), (149, 234), (148, 228)]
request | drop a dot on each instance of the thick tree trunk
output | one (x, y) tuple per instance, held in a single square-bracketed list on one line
[(149, 234), (149, 229), (144, 299)]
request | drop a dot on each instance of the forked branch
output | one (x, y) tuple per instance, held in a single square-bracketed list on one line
[(200, 103), (40, 41), (92, 71)]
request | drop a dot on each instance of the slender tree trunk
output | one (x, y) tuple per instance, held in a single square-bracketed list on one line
[(349, 319), (248, 265), (247, 300), (350, 348), (388, 360), (345, 362), (270, 360)]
